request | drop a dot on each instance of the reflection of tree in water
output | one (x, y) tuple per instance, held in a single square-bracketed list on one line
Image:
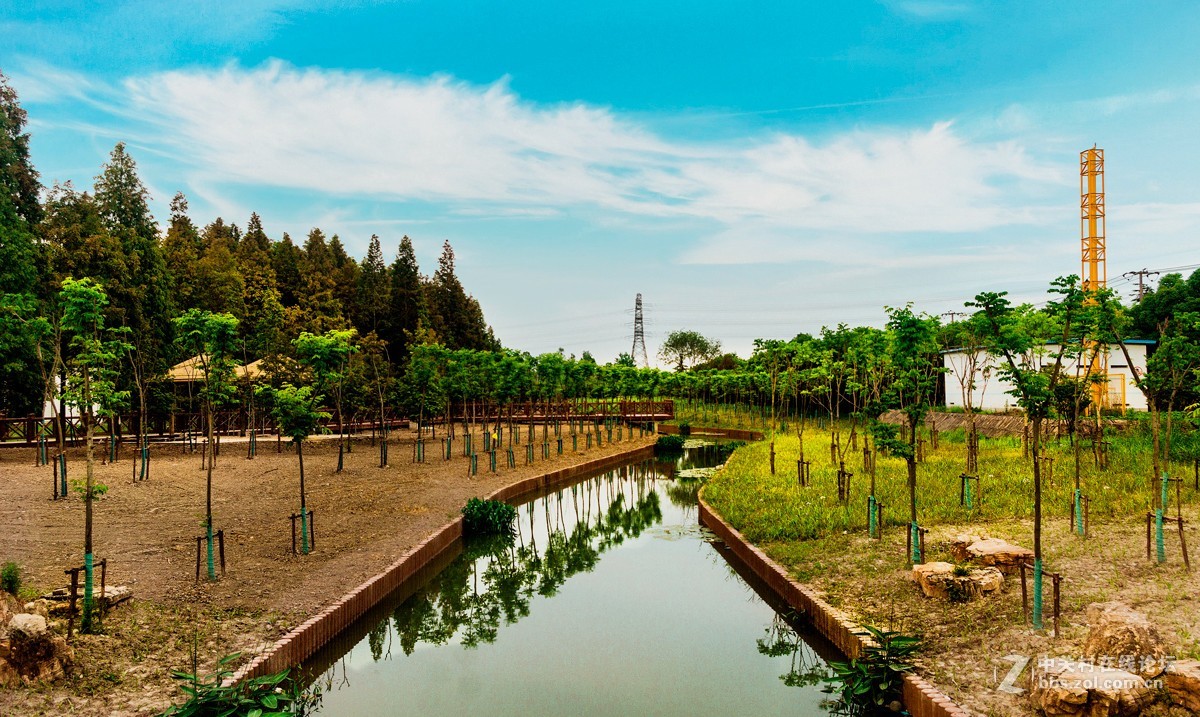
[(495, 579), (807, 668)]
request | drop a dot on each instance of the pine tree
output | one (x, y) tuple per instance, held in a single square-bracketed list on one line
[(77, 243), (345, 279), (320, 310), (142, 296), (262, 328), (406, 301), (374, 294), (221, 283), (19, 276), (463, 325), (181, 252), (285, 260)]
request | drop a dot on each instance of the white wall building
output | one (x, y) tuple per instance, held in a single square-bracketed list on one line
[(991, 392)]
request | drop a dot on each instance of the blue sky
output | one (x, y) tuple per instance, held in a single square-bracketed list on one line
[(753, 169)]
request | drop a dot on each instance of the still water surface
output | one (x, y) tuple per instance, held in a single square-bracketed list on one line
[(611, 600)]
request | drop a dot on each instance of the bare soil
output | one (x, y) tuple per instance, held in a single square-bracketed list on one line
[(365, 518)]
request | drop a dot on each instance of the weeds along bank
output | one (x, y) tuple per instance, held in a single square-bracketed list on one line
[(767, 507)]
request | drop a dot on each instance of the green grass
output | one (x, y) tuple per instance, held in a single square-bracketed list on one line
[(769, 507)]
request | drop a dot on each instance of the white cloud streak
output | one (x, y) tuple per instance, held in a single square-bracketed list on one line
[(483, 148)]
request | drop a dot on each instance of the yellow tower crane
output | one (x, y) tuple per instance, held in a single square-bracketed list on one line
[(1095, 266)]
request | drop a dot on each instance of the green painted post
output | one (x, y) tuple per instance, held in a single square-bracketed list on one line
[(1160, 543), (512, 459), (1079, 511), (88, 582), (871, 516)]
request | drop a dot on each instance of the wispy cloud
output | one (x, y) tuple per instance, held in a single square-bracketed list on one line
[(442, 140)]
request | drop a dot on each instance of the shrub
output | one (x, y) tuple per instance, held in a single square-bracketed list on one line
[(488, 517), (685, 428), (870, 682), (10, 578), (268, 696), (668, 444)]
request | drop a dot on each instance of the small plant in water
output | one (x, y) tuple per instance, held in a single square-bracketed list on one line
[(10, 578), (266, 696), (870, 684), (668, 444), (488, 517)]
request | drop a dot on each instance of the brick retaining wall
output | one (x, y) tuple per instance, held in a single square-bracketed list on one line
[(920, 697)]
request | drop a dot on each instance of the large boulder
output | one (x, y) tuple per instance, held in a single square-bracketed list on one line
[(32, 653), (1182, 680), (990, 552), (938, 580), (1124, 638), (1062, 687)]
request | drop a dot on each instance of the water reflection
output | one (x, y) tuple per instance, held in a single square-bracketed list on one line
[(493, 581), (666, 608)]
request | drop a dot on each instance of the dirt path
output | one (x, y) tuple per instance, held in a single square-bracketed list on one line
[(365, 517)]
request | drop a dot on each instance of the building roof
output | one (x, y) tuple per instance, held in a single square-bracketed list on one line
[(191, 371), (1131, 342)]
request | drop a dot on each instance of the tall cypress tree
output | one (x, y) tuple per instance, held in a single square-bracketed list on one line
[(220, 277), (345, 279), (285, 261), (181, 252), (19, 277), (463, 326), (320, 309), (406, 301), (262, 328), (374, 294), (143, 296)]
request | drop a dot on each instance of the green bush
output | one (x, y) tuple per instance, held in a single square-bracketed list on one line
[(267, 696), (10, 578), (685, 428), (488, 517), (668, 444), (868, 683)]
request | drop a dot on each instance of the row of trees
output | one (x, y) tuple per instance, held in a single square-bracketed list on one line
[(275, 288)]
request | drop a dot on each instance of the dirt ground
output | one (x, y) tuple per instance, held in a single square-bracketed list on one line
[(967, 645), (365, 518)]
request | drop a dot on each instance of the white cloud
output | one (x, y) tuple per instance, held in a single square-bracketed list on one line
[(483, 148)]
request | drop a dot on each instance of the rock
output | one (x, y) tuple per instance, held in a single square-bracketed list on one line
[(990, 552), (26, 627), (1183, 684), (937, 580), (1124, 638), (33, 654), (38, 607), (1081, 689)]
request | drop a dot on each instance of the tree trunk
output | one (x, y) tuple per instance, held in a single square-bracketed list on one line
[(303, 504), (208, 519), (88, 571), (1036, 449)]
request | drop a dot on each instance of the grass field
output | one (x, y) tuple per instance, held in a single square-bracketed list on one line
[(775, 507)]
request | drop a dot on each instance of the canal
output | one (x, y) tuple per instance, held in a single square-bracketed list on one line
[(610, 599)]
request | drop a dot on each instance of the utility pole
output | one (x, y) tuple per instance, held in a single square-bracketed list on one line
[(953, 314), (639, 335), (1141, 277)]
